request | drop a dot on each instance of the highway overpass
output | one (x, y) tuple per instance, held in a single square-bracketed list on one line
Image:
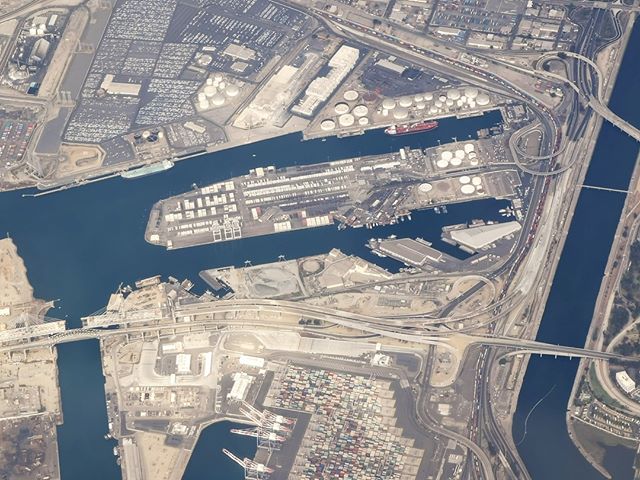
[(215, 315)]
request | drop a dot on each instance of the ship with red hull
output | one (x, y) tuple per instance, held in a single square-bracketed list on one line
[(411, 128)]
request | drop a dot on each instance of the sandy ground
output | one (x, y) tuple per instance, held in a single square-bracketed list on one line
[(75, 159), (158, 460), (14, 285)]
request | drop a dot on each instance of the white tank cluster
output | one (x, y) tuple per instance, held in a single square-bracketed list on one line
[(347, 114), (217, 92), (455, 158), (469, 185), (437, 103)]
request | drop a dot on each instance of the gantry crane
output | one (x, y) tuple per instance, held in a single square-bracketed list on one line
[(252, 470)]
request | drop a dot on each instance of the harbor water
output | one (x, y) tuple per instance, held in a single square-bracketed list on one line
[(547, 449), (80, 244)]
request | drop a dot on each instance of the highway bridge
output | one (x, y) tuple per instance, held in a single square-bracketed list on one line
[(223, 315), (596, 102)]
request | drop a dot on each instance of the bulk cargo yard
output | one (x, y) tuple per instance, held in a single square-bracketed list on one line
[(356, 192)]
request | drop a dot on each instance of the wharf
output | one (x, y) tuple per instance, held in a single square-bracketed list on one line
[(355, 192)]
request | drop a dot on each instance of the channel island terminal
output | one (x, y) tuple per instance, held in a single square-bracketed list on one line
[(355, 192)]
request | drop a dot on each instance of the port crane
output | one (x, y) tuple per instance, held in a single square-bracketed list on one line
[(252, 412), (252, 470), (264, 438)]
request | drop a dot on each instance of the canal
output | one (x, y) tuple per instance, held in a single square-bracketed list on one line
[(547, 450)]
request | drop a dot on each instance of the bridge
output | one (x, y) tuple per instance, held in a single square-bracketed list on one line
[(203, 316), (597, 103)]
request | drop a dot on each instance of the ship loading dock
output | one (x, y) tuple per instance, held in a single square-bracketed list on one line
[(355, 192)]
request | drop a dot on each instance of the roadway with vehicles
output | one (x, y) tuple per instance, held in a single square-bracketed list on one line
[(204, 314)]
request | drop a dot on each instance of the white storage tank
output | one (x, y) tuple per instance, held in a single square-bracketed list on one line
[(232, 91), (341, 108), (350, 95), (327, 125), (218, 100), (360, 110), (388, 104), (346, 120), (471, 92), (400, 113), (482, 99), (405, 102), (453, 94)]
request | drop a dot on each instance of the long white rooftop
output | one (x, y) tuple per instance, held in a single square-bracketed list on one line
[(480, 236)]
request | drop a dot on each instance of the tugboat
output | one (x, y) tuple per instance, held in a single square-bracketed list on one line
[(411, 128)]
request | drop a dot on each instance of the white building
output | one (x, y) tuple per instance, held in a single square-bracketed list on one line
[(241, 384), (249, 361), (183, 363), (478, 237), (321, 88), (625, 382)]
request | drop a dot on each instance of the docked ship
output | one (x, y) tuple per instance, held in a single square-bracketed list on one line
[(411, 128), (148, 169)]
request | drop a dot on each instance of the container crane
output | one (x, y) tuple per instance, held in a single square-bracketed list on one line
[(252, 470)]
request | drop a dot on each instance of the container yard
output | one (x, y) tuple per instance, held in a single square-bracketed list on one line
[(352, 432), (356, 192)]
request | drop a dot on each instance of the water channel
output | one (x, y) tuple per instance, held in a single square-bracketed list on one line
[(547, 449)]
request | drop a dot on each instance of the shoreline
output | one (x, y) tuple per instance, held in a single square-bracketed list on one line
[(574, 194), (595, 323)]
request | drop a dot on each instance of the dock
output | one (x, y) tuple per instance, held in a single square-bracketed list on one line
[(355, 192)]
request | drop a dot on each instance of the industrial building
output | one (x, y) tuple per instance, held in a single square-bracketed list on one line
[(478, 237), (411, 252), (320, 89), (110, 86)]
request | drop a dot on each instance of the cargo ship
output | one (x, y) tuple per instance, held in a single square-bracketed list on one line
[(411, 128), (148, 169)]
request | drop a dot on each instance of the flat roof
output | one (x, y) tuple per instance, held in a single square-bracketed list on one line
[(480, 236), (413, 252)]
